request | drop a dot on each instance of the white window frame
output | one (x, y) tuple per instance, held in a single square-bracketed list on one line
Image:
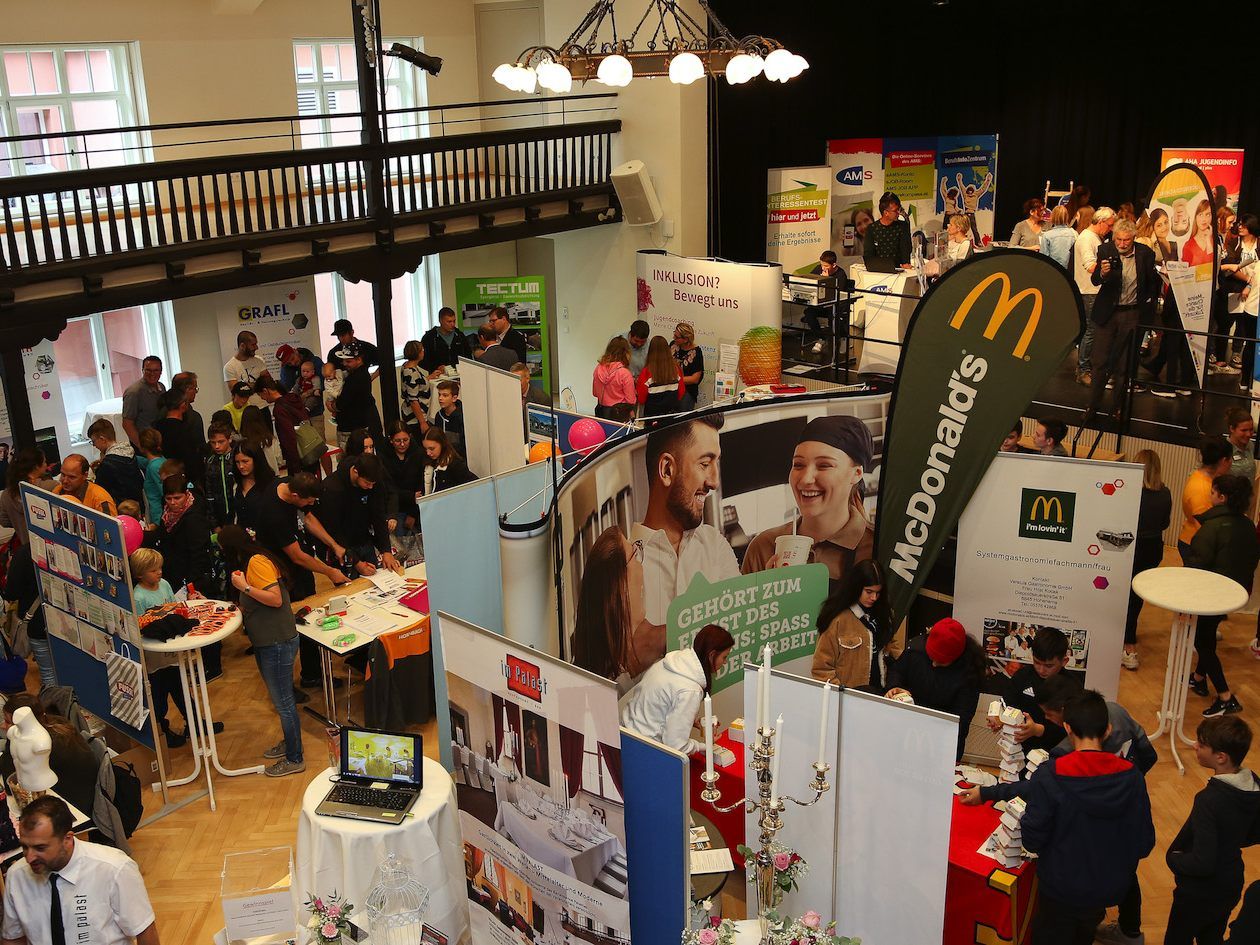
[(127, 96)]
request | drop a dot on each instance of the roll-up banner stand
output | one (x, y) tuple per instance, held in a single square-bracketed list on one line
[(48, 411), (281, 313), (798, 216), (977, 350), (1181, 197), (725, 302), (1048, 542)]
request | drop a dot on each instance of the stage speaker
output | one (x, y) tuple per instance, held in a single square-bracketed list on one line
[(636, 193)]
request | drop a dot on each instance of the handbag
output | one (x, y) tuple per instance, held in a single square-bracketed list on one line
[(12, 669), (15, 634), (310, 444)]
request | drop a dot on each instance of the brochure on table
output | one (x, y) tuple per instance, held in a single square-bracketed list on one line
[(1048, 542), (85, 584), (538, 744)]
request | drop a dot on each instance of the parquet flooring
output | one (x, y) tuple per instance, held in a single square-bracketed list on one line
[(181, 855)]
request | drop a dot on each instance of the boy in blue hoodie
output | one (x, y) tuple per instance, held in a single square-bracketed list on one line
[(1206, 856), (1088, 819)]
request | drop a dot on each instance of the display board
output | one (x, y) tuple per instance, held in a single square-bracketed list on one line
[(543, 817), (1048, 542), (1223, 168), (85, 585), (1180, 207), (525, 299), (798, 216), (735, 303), (281, 313), (494, 426), (656, 790), (932, 176), (48, 409), (731, 482), (553, 425)]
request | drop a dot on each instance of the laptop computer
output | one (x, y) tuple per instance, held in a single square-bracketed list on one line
[(880, 264), (380, 776)]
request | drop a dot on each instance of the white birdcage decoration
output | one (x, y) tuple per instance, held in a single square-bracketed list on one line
[(396, 904)]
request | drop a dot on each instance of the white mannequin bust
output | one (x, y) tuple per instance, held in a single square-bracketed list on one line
[(31, 746)]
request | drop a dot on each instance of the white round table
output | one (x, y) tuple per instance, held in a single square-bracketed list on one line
[(1190, 593), (192, 678), (336, 853)]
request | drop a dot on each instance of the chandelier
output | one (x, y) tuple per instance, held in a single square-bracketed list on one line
[(678, 46)]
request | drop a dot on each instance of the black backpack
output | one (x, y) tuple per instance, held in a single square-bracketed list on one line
[(128, 797)]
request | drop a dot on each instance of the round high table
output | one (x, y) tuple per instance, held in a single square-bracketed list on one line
[(192, 679), (1190, 593), (336, 853)]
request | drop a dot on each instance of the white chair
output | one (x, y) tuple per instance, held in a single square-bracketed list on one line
[(570, 402)]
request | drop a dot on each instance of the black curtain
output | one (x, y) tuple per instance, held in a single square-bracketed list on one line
[(1075, 90)]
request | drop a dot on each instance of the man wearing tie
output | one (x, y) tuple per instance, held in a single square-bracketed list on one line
[(71, 891)]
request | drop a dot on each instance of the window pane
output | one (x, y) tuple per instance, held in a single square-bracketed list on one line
[(406, 316), (45, 154), (44, 69), (359, 309), (103, 74), (304, 62), (325, 302), (91, 114), (78, 75), (6, 166), (345, 54), (18, 72), (127, 346), (330, 62), (76, 366)]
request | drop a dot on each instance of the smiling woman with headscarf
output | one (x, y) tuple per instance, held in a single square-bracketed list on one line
[(825, 478)]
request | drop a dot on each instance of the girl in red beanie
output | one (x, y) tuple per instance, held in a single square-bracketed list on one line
[(943, 669)]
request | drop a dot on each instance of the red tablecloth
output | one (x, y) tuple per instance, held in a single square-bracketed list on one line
[(731, 784), (984, 901)]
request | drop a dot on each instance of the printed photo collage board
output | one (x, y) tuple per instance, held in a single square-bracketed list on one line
[(85, 585)]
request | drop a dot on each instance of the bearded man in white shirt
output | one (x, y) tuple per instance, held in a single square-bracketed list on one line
[(683, 467)]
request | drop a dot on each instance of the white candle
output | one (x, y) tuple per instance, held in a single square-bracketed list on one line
[(759, 712), (774, 765), (822, 725), (708, 736), (765, 707)]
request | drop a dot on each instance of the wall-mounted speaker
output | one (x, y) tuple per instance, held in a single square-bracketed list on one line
[(638, 197)]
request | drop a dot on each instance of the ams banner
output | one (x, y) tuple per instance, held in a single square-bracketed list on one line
[(978, 347)]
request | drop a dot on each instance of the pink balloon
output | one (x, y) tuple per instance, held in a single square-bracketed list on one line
[(133, 533), (586, 435)]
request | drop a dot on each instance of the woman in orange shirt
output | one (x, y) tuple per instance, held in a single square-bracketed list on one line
[(1216, 456)]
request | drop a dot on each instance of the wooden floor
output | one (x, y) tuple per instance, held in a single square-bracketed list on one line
[(181, 856)]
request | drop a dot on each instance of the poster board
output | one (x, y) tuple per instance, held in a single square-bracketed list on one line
[(280, 313), (723, 301), (525, 298), (798, 216), (48, 410), (1048, 541), (544, 826), (85, 583), (655, 779)]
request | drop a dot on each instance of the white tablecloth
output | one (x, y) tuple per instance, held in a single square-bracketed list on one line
[(533, 838), (334, 853), (111, 410), (883, 317)]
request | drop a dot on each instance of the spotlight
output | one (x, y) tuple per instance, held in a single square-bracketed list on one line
[(430, 64)]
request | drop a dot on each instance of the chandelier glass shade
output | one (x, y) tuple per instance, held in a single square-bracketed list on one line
[(666, 41)]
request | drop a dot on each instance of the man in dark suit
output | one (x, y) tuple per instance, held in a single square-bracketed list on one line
[(509, 337), (1127, 288)]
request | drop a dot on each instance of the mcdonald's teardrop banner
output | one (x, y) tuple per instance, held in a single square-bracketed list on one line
[(977, 349)]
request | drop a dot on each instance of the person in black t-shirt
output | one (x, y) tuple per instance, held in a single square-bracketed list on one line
[(343, 331), (1023, 691), (356, 407), (690, 362), (350, 517)]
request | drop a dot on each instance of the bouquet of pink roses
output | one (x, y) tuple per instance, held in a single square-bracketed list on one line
[(330, 917), (789, 867), (808, 929), (718, 932)]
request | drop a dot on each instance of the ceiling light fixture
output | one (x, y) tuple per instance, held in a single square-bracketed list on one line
[(679, 47)]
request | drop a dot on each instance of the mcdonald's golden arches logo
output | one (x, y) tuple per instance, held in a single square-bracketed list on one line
[(1002, 309), (1046, 514)]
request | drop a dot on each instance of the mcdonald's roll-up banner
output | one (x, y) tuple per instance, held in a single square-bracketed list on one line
[(1180, 206), (978, 347), (1048, 542)]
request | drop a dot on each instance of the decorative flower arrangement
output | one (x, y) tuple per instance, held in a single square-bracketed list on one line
[(718, 931), (789, 867), (807, 929), (330, 917)]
